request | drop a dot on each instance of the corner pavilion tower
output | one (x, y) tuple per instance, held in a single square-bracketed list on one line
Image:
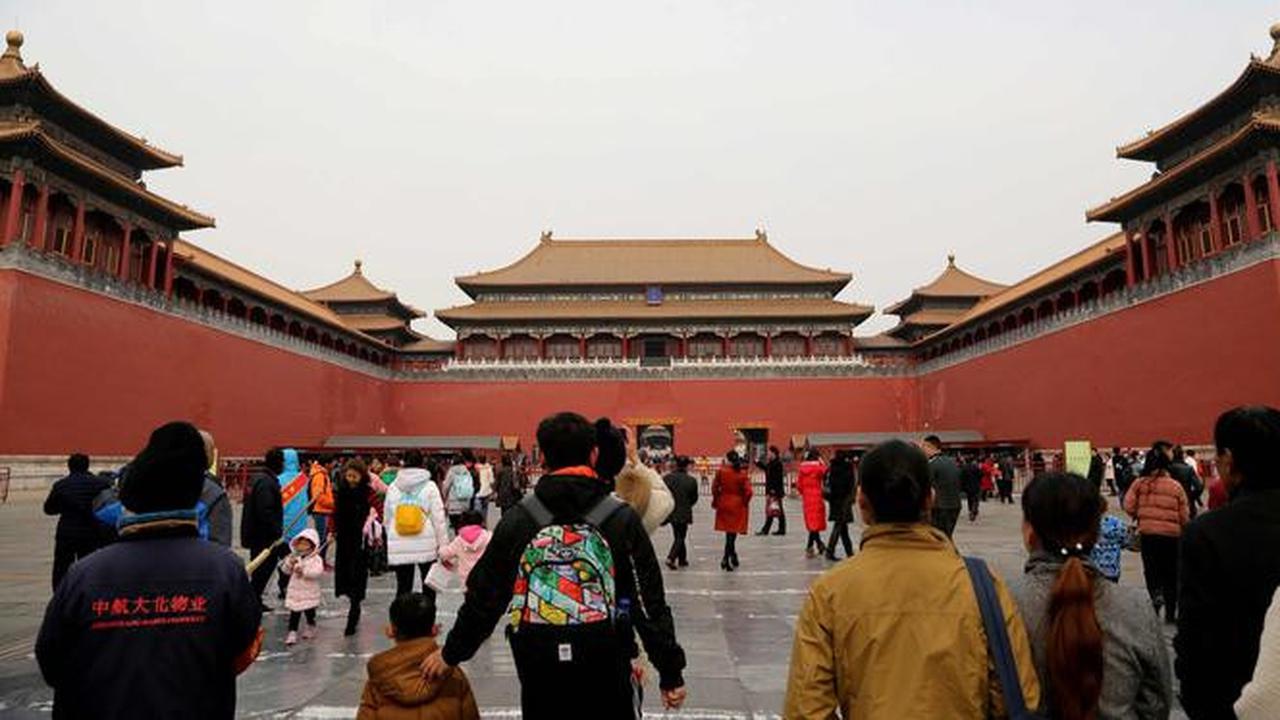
[(654, 300)]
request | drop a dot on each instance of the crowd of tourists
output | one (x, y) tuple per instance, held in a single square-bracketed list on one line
[(153, 615)]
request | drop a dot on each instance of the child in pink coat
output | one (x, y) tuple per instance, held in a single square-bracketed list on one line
[(305, 567), (464, 551)]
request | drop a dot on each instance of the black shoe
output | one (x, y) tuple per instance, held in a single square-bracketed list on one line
[(780, 533), (671, 564), (349, 631), (264, 608), (761, 532), (830, 556), (684, 563), (724, 565), (734, 560)]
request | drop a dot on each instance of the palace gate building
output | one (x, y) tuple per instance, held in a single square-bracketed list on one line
[(112, 322)]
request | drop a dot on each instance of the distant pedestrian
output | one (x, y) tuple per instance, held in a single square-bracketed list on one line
[(684, 490), (464, 551), (508, 490), (812, 482), (840, 489), (971, 483), (213, 508), (415, 523), (262, 519), (944, 476), (305, 567), (1182, 470), (353, 517), (79, 533), (1229, 567), (1098, 646), (160, 623), (775, 489), (1004, 478), (731, 498), (1160, 506), (320, 495)]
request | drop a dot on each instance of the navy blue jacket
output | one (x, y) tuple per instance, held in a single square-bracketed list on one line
[(149, 627), (71, 499)]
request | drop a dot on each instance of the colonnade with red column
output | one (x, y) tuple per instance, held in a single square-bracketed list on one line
[(31, 222), (482, 344)]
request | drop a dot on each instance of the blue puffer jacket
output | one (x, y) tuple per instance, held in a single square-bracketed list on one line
[(213, 510)]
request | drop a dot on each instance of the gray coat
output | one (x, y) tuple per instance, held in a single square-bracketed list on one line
[(1136, 677), (944, 473), (684, 490)]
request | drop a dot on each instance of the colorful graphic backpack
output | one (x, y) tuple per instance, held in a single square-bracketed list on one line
[(566, 573)]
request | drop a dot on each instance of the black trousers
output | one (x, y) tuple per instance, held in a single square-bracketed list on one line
[(66, 552), (945, 519), (840, 531), (815, 542), (295, 618), (1006, 491), (782, 521), (404, 577), (679, 550), (262, 574), (1160, 567), (974, 500)]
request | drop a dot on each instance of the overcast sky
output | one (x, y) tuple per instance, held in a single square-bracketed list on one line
[(434, 139)]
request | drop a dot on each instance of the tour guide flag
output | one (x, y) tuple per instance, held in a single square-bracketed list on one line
[(1078, 454), (293, 486)]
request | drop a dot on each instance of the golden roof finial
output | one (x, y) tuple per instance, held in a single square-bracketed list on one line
[(1274, 58), (11, 62), (951, 259), (359, 264)]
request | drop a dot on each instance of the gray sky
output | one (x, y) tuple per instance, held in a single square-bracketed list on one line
[(434, 139)]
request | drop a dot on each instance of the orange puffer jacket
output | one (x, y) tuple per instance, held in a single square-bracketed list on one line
[(1159, 504)]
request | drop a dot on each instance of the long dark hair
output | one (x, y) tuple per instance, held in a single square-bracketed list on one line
[(734, 460), (1065, 510)]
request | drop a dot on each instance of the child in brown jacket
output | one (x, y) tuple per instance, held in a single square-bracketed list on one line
[(395, 689)]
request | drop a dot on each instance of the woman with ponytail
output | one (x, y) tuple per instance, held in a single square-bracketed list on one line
[(1098, 646)]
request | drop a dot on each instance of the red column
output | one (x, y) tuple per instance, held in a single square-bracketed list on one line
[(151, 265), (808, 346), (626, 347), (1250, 210), (1131, 272), (501, 346), (1215, 222), (1147, 253), (1171, 244), (724, 345), (457, 348), (848, 345), (125, 251), (77, 233), (1273, 192), (168, 268), (684, 347), (42, 219), (542, 347), (582, 347), (768, 345), (13, 209)]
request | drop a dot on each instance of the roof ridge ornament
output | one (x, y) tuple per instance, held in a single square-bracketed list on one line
[(545, 237), (11, 64), (762, 235), (359, 264), (1274, 59), (951, 259)]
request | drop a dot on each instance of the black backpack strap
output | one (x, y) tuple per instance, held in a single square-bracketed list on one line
[(998, 647), (603, 510), (537, 510)]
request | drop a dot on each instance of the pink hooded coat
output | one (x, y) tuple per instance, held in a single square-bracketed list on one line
[(464, 551), (305, 572)]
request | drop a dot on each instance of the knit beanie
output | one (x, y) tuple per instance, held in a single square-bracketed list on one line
[(169, 472)]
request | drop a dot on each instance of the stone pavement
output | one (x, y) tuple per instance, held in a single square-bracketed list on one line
[(735, 627)]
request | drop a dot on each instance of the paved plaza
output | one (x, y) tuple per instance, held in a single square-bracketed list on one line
[(736, 628)]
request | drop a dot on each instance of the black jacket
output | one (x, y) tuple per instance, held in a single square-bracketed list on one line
[(774, 477), (490, 584), (971, 479), (1190, 482), (944, 473), (506, 488), (684, 490), (840, 487), (1229, 571), (149, 627), (263, 520), (71, 499), (350, 561), (1097, 470)]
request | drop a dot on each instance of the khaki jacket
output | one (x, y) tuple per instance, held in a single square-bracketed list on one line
[(395, 689), (895, 632)]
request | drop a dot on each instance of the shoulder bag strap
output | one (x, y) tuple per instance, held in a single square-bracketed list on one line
[(997, 639), (603, 510)]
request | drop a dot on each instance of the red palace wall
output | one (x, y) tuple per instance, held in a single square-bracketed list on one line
[(707, 410), (85, 372), (1165, 368), (82, 371)]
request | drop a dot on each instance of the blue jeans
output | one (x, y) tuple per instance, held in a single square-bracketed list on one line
[(322, 528)]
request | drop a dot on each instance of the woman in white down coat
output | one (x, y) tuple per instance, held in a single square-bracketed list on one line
[(413, 487)]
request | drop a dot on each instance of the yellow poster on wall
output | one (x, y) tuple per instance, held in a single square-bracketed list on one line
[(1078, 454)]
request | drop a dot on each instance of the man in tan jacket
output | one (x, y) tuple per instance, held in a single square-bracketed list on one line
[(895, 631)]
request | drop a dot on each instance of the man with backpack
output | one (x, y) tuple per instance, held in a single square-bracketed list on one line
[(578, 571)]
